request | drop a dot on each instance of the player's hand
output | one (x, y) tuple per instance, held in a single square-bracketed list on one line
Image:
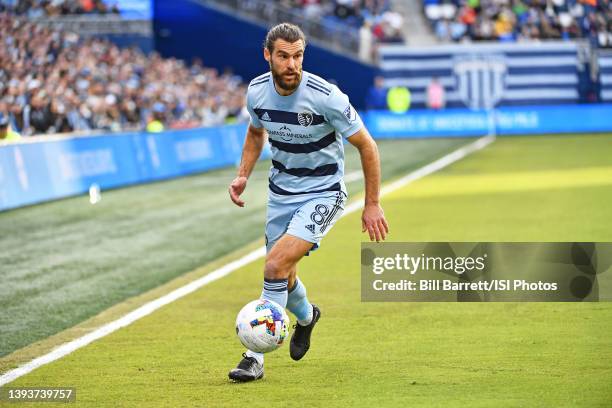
[(236, 188), (373, 220)]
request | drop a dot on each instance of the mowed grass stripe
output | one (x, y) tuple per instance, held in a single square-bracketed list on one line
[(376, 354), (518, 181)]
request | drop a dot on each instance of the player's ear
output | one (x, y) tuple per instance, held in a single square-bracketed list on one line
[(267, 54)]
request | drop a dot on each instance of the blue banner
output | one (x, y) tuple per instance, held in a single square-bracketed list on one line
[(39, 171), (485, 75), (605, 74), (503, 121)]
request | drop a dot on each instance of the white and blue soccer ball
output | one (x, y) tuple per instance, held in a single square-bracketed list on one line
[(262, 326)]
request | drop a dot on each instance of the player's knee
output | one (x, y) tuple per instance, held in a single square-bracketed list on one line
[(276, 269)]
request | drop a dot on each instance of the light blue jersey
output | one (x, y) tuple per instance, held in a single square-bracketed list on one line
[(305, 132)]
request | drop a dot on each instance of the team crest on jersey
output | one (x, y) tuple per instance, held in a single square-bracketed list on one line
[(305, 118)]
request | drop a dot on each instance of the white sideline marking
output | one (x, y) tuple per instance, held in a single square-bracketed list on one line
[(131, 317), (225, 270)]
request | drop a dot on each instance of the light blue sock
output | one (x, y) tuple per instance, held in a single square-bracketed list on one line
[(276, 291), (298, 303)]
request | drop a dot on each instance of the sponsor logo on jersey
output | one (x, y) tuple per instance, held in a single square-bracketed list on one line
[(311, 228), (350, 113), (266, 117), (287, 134)]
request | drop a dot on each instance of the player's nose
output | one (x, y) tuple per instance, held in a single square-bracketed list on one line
[(291, 64)]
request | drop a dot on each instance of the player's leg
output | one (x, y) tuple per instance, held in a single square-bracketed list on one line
[(292, 278), (282, 259), (284, 251), (304, 311), (307, 315), (280, 263), (297, 302), (279, 215), (311, 222)]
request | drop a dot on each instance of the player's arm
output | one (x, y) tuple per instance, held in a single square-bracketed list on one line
[(373, 218), (345, 119), (253, 145)]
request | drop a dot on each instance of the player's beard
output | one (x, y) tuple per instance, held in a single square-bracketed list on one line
[(279, 78)]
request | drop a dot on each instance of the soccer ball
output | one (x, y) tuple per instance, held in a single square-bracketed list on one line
[(262, 326)]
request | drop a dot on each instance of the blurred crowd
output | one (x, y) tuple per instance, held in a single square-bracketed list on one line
[(53, 81), (521, 20), (384, 23), (42, 8)]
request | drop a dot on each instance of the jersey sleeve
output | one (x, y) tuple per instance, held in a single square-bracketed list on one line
[(255, 122), (341, 114)]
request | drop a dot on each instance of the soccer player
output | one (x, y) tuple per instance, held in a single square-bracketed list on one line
[(306, 119)]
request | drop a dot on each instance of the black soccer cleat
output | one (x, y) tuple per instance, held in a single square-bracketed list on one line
[(300, 341), (248, 369)]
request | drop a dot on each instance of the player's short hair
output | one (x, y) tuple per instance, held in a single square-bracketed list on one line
[(284, 31)]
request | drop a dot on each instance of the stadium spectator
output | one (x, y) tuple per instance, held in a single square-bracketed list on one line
[(521, 20), (366, 42), (312, 8), (377, 95), (399, 99), (53, 81), (6, 133), (156, 122), (435, 94)]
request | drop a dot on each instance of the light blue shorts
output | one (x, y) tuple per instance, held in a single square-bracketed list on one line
[(306, 216)]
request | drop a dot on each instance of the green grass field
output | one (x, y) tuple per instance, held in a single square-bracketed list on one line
[(66, 261), (545, 188)]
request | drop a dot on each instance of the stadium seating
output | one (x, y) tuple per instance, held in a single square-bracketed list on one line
[(38, 8), (378, 14), (54, 81), (344, 24), (519, 20)]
